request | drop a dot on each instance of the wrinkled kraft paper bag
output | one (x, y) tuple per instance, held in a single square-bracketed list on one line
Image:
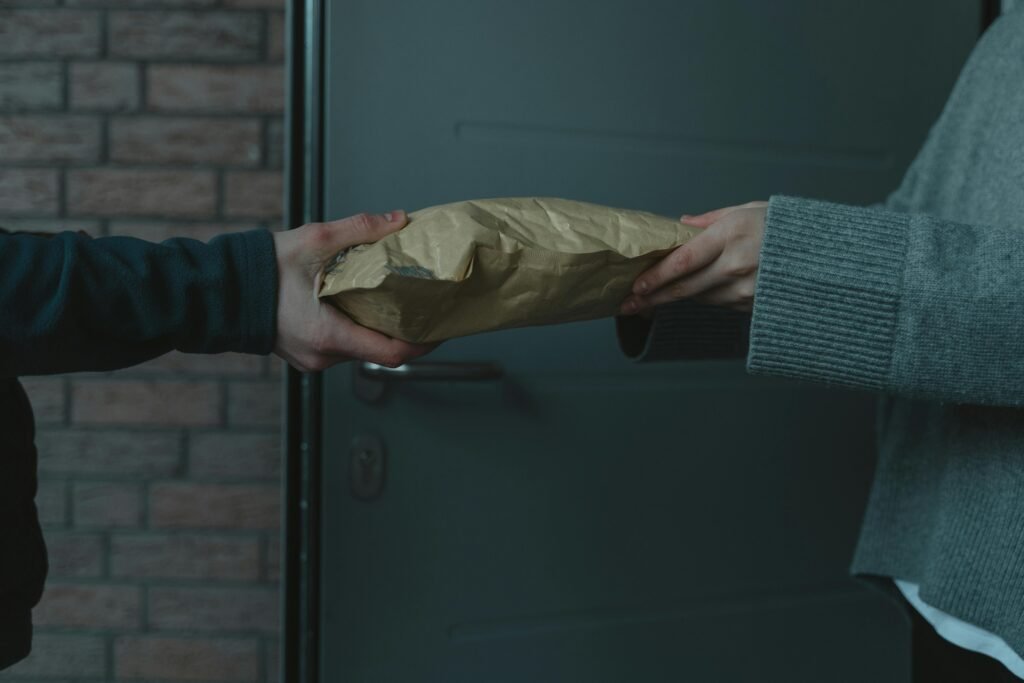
[(491, 264)]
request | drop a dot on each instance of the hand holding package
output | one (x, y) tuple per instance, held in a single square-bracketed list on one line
[(491, 264)]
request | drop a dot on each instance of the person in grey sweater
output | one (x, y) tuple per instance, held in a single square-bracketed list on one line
[(922, 300)]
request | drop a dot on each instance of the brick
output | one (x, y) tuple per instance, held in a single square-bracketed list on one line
[(273, 667), (47, 397), (30, 85), (28, 191), (182, 659), (108, 453), (254, 404), (227, 506), (185, 35), (49, 33), (230, 455), (49, 139), (257, 194), (63, 655), (145, 402), (128, 192), (89, 606), (106, 504), (275, 37), (273, 560), (214, 609), (74, 554), (268, 4), (52, 503), (221, 364), (141, 3), (185, 141), (158, 231), (184, 556), (275, 144), (55, 224), (104, 86), (222, 89)]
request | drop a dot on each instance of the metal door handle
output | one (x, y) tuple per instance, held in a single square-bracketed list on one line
[(370, 379), (434, 372)]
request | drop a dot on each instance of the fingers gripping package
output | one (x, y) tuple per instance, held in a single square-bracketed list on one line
[(491, 264)]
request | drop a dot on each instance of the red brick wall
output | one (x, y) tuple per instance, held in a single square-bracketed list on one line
[(159, 484)]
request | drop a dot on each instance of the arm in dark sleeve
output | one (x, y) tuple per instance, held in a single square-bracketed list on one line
[(71, 303), (685, 330)]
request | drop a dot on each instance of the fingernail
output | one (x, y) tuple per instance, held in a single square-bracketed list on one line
[(629, 307), (395, 216), (641, 287), (685, 216)]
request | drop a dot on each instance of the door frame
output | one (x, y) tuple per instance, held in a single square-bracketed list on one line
[(303, 392)]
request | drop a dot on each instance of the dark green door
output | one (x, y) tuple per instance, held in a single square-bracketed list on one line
[(585, 518)]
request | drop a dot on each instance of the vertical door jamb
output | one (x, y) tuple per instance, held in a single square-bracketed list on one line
[(300, 660)]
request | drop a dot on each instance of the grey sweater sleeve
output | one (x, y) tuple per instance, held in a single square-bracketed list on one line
[(687, 330), (896, 302)]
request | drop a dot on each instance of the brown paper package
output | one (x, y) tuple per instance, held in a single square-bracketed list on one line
[(491, 264)]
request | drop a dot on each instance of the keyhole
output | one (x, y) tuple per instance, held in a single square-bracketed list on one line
[(366, 466)]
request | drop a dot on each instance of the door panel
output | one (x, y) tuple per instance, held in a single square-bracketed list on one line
[(585, 517)]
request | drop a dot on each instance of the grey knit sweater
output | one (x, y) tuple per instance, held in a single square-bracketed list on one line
[(921, 300)]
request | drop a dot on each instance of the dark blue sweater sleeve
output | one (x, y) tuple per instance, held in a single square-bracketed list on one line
[(71, 303)]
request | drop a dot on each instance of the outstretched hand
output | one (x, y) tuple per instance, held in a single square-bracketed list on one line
[(311, 334), (717, 266)]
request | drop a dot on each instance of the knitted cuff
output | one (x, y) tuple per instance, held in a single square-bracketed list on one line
[(827, 293), (257, 261)]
